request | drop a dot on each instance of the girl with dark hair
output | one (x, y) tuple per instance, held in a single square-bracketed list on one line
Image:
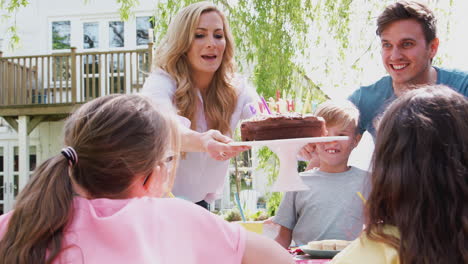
[(100, 200), (417, 212)]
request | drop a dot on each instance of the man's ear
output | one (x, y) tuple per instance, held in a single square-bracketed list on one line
[(433, 47)]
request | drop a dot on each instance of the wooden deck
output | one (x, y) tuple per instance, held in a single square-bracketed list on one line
[(53, 85)]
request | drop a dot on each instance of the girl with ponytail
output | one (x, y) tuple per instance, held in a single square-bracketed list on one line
[(101, 200)]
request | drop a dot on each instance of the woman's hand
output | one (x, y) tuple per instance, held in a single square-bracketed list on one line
[(216, 144)]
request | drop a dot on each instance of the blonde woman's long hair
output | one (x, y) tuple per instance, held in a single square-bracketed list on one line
[(221, 97)]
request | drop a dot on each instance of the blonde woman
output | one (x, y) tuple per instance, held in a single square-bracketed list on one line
[(194, 76)]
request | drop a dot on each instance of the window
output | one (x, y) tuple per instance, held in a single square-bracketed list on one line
[(143, 27), (32, 158), (91, 35), (116, 34), (61, 35)]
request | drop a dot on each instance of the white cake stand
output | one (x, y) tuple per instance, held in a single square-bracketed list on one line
[(286, 150)]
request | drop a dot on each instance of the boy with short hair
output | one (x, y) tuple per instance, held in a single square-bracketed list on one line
[(331, 209)]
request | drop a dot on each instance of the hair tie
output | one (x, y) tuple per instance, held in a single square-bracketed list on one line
[(71, 155)]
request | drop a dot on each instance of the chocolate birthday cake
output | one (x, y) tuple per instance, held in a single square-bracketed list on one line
[(282, 126)]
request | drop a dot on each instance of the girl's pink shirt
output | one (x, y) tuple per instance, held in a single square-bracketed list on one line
[(147, 230)]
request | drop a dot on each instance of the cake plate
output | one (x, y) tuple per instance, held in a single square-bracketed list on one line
[(287, 150)]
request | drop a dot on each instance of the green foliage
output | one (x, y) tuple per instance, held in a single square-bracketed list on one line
[(274, 200), (301, 165), (270, 35), (14, 38), (269, 162), (233, 215), (258, 216), (126, 7), (11, 7), (164, 12)]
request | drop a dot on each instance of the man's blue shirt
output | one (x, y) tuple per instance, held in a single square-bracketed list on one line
[(372, 100)]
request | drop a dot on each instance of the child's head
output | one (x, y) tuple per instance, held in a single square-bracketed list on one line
[(419, 175), (117, 138), (341, 119), (122, 146)]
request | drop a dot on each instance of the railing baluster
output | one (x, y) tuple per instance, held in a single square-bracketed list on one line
[(30, 70), (23, 82), (119, 89), (124, 74), (138, 68), (106, 74), (88, 92), (67, 76), (36, 79), (42, 81), (11, 89), (82, 79), (111, 68), (131, 71), (49, 82), (61, 78), (73, 75), (18, 82), (93, 76), (99, 78), (4, 83), (53, 78)]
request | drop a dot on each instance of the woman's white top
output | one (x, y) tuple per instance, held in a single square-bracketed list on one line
[(199, 177)]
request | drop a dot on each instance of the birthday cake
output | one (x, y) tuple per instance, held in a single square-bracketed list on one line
[(282, 126)]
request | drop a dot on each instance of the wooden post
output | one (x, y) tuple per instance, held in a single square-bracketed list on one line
[(23, 151), (150, 55), (73, 74)]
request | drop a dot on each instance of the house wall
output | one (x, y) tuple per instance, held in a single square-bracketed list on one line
[(34, 22)]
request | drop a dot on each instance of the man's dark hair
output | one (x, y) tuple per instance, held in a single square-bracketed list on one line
[(409, 10)]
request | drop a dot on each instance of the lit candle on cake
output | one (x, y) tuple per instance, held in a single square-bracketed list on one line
[(306, 105)]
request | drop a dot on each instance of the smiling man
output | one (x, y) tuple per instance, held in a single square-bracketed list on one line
[(407, 30)]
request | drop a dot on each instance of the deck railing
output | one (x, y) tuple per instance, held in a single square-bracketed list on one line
[(71, 77)]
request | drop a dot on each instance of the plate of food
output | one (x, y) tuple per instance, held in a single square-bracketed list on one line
[(326, 249)]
